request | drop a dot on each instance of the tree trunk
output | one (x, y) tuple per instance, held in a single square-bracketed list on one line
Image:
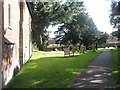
[(41, 45), (38, 25), (38, 39), (87, 48)]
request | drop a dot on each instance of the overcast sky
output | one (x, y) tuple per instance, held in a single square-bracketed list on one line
[(99, 11)]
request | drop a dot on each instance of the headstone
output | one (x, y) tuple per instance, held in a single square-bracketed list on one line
[(84, 48), (81, 48), (77, 49), (93, 47), (73, 50)]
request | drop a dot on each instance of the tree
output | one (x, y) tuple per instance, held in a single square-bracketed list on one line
[(115, 33), (89, 35), (51, 13), (81, 30), (69, 33), (101, 37), (115, 16)]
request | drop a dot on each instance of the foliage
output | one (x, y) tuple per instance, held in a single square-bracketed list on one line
[(51, 70), (81, 30), (46, 13), (101, 37), (115, 33), (116, 66), (76, 25), (34, 47), (115, 15)]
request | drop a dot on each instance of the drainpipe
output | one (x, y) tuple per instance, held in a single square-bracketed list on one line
[(21, 34), (1, 41)]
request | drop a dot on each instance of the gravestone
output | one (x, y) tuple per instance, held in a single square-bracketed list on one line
[(77, 49), (82, 49), (73, 50), (93, 47)]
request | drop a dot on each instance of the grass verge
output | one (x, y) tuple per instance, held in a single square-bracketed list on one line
[(116, 66), (52, 70)]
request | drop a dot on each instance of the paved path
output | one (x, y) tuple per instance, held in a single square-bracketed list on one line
[(97, 74)]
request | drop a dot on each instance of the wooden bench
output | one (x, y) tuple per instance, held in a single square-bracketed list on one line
[(67, 51)]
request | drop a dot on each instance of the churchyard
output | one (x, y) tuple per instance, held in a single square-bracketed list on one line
[(52, 69)]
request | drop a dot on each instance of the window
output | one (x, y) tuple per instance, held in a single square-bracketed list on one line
[(9, 15)]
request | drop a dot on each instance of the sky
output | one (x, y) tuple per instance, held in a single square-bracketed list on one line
[(99, 11)]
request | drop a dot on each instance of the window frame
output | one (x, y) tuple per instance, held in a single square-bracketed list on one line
[(9, 15)]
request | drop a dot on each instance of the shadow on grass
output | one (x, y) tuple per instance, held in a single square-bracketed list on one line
[(42, 72), (51, 72), (63, 57)]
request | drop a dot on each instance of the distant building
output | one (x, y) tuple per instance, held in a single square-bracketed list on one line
[(112, 41), (52, 43), (15, 38)]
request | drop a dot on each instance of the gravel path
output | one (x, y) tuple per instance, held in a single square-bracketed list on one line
[(97, 74)]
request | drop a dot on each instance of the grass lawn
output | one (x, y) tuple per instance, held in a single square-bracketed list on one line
[(116, 66), (51, 70)]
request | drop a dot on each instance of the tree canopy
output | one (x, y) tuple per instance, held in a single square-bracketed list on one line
[(115, 16), (76, 25), (51, 13), (81, 30)]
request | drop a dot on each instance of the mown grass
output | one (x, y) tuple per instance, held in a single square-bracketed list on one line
[(51, 70), (116, 66)]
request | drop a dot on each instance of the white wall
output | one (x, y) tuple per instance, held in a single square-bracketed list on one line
[(26, 35), (13, 36)]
